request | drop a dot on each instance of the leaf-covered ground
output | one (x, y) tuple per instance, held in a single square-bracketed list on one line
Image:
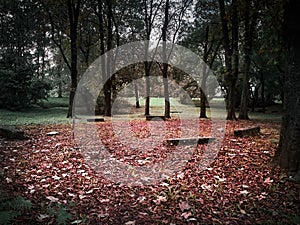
[(240, 186)]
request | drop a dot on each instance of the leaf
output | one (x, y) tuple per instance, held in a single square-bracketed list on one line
[(186, 215), (243, 211), (130, 223), (52, 199), (42, 216), (184, 206), (160, 199), (76, 222), (52, 133), (244, 192), (268, 180)]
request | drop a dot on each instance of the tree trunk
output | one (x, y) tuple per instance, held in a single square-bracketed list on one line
[(73, 12), (288, 153), (165, 64), (263, 101), (59, 91), (108, 83), (203, 98), (235, 62), (231, 55), (137, 97), (147, 98), (247, 61)]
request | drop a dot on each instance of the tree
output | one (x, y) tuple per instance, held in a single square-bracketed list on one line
[(204, 37), (73, 15), (250, 23), (62, 27), (165, 64), (151, 9), (288, 153), (231, 48), (22, 48)]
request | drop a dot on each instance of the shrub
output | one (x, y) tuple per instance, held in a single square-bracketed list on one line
[(11, 208)]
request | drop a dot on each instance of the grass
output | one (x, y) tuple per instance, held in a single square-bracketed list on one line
[(53, 111)]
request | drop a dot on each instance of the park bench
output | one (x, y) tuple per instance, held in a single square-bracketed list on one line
[(95, 119), (248, 131), (189, 141), (153, 118)]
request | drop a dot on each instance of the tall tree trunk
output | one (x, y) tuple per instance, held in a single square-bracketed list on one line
[(288, 153), (231, 55), (235, 60), (203, 98), (243, 114), (165, 64), (147, 98), (59, 76), (102, 44), (108, 84), (263, 101), (73, 13), (150, 12), (136, 93)]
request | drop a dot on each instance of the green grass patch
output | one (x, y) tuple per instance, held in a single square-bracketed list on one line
[(55, 102), (53, 111)]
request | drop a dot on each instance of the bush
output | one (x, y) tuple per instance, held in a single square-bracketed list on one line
[(19, 90), (11, 208)]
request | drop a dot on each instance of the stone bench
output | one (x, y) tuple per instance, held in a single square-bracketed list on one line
[(155, 118), (248, 131), (95, 120), (189, 141)]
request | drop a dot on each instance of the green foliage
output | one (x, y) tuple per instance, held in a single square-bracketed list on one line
[(12, 207), (61, 213), (23, 55), (19, 90)]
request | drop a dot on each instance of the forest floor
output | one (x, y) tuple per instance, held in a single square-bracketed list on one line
[(240, 185)]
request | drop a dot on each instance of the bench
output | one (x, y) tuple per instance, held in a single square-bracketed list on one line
[(155, 118), (249, 131), (189, 141), (95, 120)]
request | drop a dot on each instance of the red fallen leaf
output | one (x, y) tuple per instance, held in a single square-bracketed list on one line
[(186, 215), (184, 206), (246, 171), (268, 180), (160, 199)]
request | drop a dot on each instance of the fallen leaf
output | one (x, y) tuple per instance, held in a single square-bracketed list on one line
[(52, 199), (160, 199), (186, 215), (184, 206), (130, 223), (243, 211), (268, 180)]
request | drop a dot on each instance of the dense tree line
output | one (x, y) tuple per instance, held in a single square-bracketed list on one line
[(233, 38)]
